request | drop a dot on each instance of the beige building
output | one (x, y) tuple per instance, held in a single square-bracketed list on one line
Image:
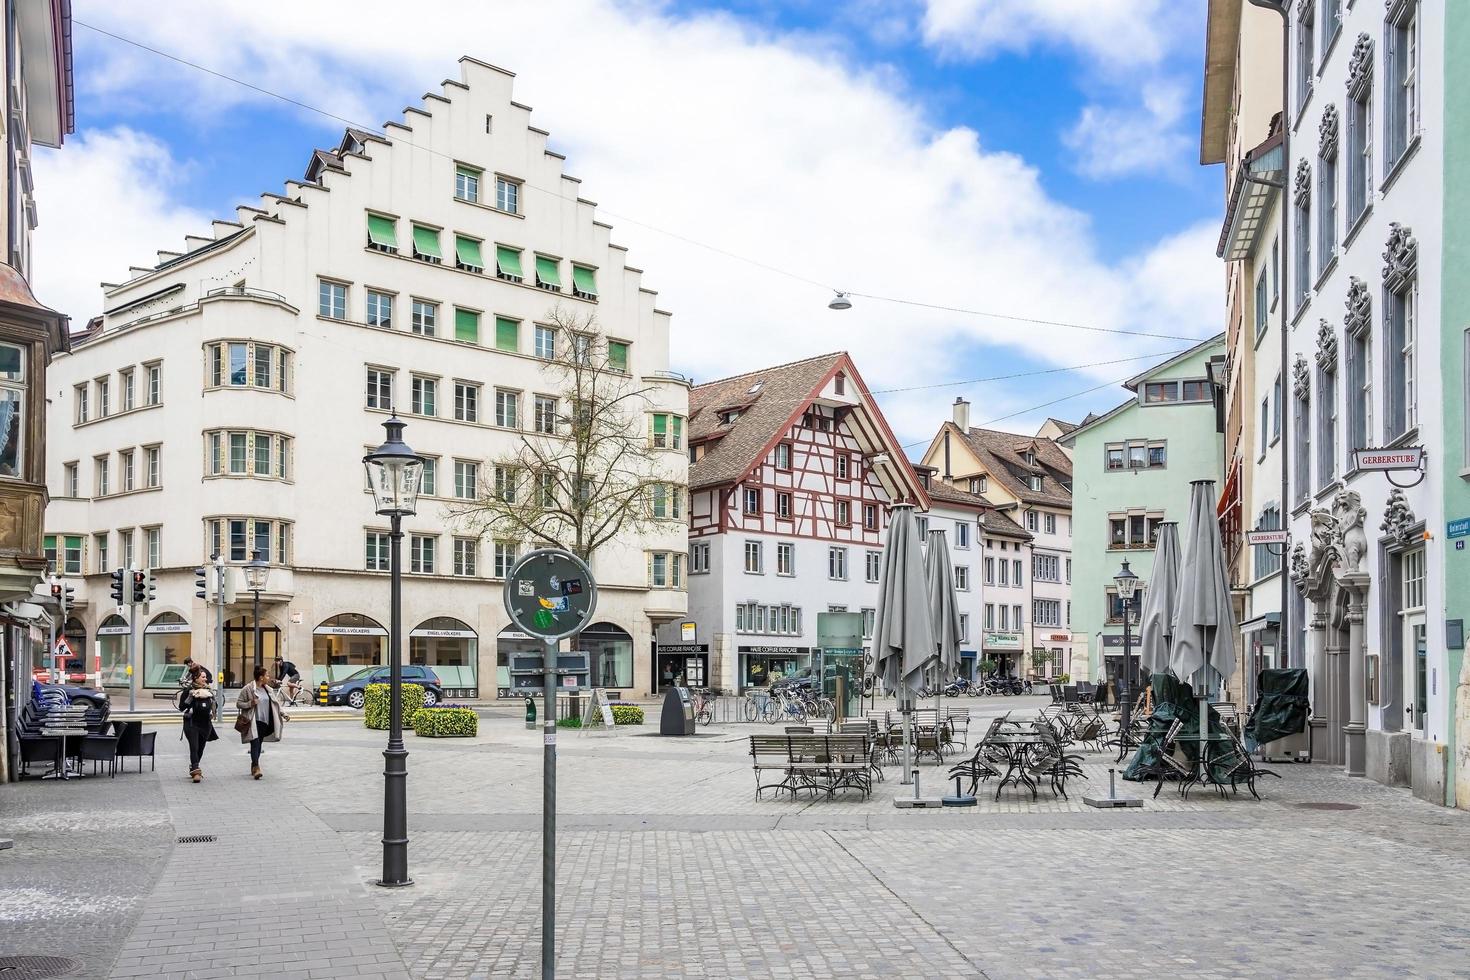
[(224, 400)]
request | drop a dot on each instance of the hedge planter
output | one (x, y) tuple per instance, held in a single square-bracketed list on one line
[(446, 723), (627, 714), (375, 708)]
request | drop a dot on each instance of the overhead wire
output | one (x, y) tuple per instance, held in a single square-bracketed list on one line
[(1025, 374), (1026, 411)]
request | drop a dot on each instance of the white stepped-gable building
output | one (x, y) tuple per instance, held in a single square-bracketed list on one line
[(224, 400)]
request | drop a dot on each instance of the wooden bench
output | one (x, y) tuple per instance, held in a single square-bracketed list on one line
[(817, 762)]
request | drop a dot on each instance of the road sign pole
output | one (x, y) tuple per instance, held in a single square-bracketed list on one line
[(548, 815), (132, 653)]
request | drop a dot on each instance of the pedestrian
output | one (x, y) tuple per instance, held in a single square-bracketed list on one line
[(190, 667), (261, 719), (197, 706)]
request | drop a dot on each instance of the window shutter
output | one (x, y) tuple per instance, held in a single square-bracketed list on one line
[(507, 334), (466, 326)]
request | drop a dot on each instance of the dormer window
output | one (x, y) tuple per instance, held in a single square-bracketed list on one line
[(1030, 458), (755, 388), (728, 418), (978, 484)]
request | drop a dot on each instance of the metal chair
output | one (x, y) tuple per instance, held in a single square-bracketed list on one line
[(102, 748), (133, 741)]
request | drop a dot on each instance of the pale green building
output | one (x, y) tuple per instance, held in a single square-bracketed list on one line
[(1131, 471)]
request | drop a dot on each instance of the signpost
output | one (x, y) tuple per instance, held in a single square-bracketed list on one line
[(551, 595), (1268, 536), (1410, 458)]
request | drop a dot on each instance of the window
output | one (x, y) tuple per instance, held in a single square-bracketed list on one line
[(1264, 561), (1115, 606), (666, 501), (837, 563), (154, 534), (962, 578), (698, 558), (104, 398), (1326, 203), (128, 470), (1326, 425), (99, 548), (1276, 410), (1401, 369), (331, 300), (1046, 612), (155, 383), (964, 636), (1135, 529), (665, 570), (104, 483), (990, 616), (467, 184), (424, 396), (466, 401), (1360, 142), (1017, 579), (544, 412), (380, 389), (508, 263), (872, 565), (466, 556), (870, 517), (785, 558), (429, 482), (1359, 374), (581, 348), (1069, 571), (1265, 422), (545, 343), (1261, 304), (1196, 390), (504, 557), (1331, 24), (869, 615), (426, 245), (1115, 457), (1005, 617), (507, 195), (467, 254), (753, 565), (989, 571), (751, 500), (375, 547), (1160, 392), (1306, 44), (1136, 455), (1401, 87), (124, 549), (1275, 269), (1301, 442), (1049, 521), (842, 462), (1302, 232), (584, 282), (129, 389), (617, 356), (421, 549), (379, 311), (507, 482), (979, 484), (783, 456), (507, 408), (783, 506), (1005, 573), (1044, 568), (844, 513), (424, 318), (923, 525), (69, 486), (466, 479), (1031, 520)]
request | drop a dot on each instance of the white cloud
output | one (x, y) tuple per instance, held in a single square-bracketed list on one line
[(1118, 141), (1116, 34), (775, 148), (104, 202)]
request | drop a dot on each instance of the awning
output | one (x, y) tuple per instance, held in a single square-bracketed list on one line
[(548, 271), (468, 251), (507, 334), (1265, 621), (508, 261), (467, 326), (585, 280), (426, 241), (1251, 197), (383, 231)]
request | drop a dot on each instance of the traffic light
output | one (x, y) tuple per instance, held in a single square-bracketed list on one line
[(140, 587), (150, 587), (201, 582), (68, 596), (119, 596), (56, 589)]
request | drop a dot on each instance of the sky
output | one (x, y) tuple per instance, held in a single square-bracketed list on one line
[(1036, 159)]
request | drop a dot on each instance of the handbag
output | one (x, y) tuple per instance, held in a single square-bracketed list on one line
[(242, 723)]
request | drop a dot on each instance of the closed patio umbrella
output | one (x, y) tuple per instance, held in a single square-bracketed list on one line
[(1204, 627), (1156, 620), (944, 614), (903, 637)]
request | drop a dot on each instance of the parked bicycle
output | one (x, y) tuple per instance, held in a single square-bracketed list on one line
[(704, 703)]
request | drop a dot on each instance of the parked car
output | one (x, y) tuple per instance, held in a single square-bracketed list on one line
[(89, 696), (352, 689)]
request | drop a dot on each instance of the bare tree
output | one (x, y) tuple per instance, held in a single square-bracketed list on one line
[(586, 470)]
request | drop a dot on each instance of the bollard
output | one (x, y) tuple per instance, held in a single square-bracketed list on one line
[(1112, 784), (915, 772), (530, 713), (321, 694)]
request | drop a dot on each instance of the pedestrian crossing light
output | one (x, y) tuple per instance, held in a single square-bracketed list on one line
[(140, 587), (119, 596), (150, 586)]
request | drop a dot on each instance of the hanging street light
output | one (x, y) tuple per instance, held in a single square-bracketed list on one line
[(840, 302)]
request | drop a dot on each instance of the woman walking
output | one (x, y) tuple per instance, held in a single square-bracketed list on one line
[(260, 718), (197, 705)]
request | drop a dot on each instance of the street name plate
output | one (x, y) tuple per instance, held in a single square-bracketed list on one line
[(1458, 528)]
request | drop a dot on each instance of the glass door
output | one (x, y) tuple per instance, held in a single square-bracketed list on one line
[(1416, 677)]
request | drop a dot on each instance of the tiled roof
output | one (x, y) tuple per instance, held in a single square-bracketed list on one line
[(1000, 524), (994, 521), (784, 389), (1000, 454), (1064, 426)]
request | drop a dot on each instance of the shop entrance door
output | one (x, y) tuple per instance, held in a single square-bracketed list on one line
[(1416, 677)]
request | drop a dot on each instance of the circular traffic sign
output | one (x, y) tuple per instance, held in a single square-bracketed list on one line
[(550, 594)]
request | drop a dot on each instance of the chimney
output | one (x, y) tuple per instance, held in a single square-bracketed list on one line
[(962, 414)]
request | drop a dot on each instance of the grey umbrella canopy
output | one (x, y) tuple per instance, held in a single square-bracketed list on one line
[(1156, 621), (1204, 627), (903, 638), (944, 612)]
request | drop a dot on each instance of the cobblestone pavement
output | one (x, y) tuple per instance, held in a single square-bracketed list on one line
[(668, 866)]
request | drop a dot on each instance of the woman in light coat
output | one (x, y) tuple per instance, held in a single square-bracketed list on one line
[(259, 703)]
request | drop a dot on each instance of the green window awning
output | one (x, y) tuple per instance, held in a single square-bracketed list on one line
[(507, 334), (548, 271), (467, 326), (73, 542), (508, 261), (584, 279), (468, 251), (383, 231), (50, 542), (617, 355), (426, 241), (660, 424)]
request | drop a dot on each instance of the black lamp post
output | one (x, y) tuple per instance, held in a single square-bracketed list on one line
[(257, 570), (394, 474), (1127, 584)]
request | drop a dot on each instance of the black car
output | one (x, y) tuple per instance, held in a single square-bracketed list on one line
[(89, 696), (352, 689)]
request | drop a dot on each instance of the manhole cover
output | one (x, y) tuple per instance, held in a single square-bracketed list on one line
[(1328, 806), (194, 839), (36, 967)]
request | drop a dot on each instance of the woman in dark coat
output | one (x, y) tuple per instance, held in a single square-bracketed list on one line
[(197, 705)]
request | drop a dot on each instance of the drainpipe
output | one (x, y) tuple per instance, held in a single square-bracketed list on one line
[(1283, 638)]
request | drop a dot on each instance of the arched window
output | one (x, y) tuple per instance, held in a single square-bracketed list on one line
[(167, 643), (450, 648), (611, 650), (112, 644), (345, 644)]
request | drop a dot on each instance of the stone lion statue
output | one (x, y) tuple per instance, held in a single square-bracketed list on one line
[(1350, 514)]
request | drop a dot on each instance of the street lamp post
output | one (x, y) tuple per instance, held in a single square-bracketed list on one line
[(1127, 584), (394, 473), (257, 571)]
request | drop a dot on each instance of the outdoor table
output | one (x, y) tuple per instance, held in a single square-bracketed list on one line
[(65, 732), (1016, 747)]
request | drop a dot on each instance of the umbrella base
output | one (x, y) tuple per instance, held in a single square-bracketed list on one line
[(959, 801), (917, 802), (1111, 802)]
